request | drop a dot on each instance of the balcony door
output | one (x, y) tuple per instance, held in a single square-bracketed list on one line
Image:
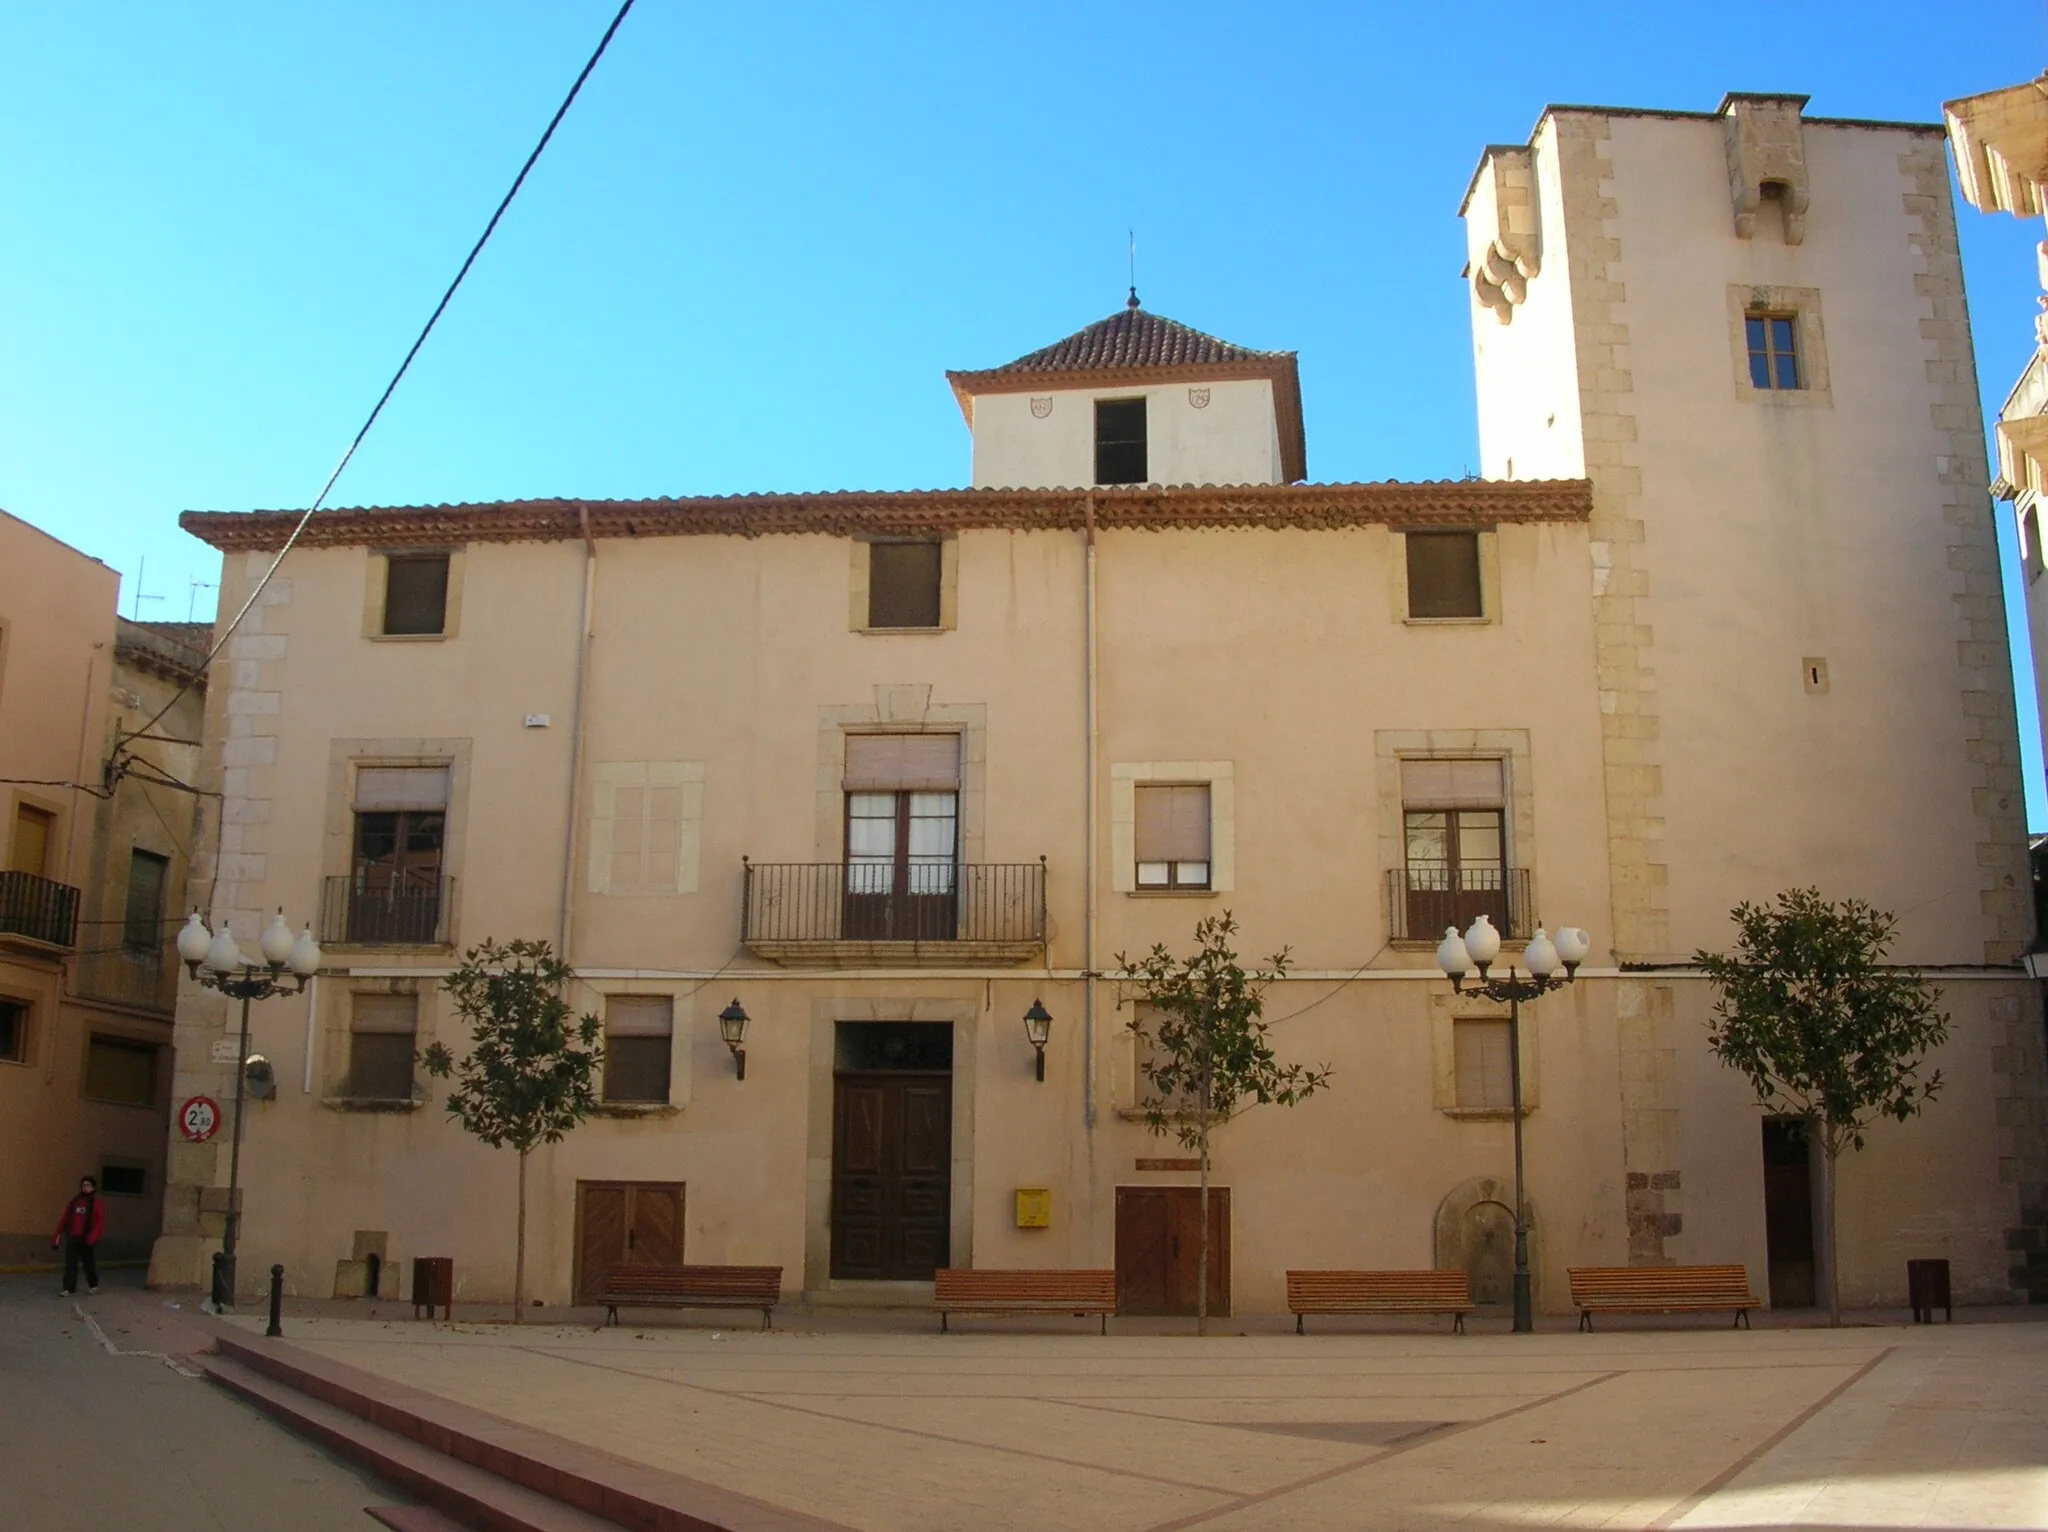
[(34, 829), (902, 837), (1455, 832), (395, 867)]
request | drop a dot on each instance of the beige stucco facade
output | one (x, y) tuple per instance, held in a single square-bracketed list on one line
[(1660, 559), (85, 1076)]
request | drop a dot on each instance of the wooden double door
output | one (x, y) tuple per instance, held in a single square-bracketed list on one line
[(625, 1223), (892, 1174), (1158, 1247)]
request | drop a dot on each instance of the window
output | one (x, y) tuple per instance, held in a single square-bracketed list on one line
[(902, 837), (1455, 862), (638, 1030), (142, 927), (1171, 835), (1773, 350), (1120, 441), (903, 584), (381, 1031), (124, 1180), (1483, 1064), (416, 593), (395, 886), (121, 1071), (13, 1030), (34, 830), (1443, 575)]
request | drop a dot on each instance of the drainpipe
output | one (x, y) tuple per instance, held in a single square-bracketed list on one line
[(585, 623), (1089, 858)]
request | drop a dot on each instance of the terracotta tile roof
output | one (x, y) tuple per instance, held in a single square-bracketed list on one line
[(1135, 348), (1445, 503), (1131, 337)]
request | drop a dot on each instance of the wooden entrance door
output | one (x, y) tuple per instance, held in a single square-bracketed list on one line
[(892, 1175), (1158, 1246), (1788, 1213), (625, 1223)]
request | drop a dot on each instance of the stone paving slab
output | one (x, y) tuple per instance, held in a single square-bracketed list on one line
[(1866, 1427)]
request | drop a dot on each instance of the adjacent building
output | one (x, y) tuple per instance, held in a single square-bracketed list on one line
[(94, 873), (1721, 617)]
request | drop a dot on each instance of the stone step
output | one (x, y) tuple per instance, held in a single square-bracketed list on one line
[(609, 1491), (459, 1493)]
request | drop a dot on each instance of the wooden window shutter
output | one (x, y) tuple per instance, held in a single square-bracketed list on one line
[(886, 763), (384, 1013), (1452, 784), (639, 1016), (401, 787), (1443, 575), (416, 593), (1172, 822), (903, 584)]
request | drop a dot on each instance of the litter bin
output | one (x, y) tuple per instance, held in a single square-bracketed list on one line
[(433, 1282), (1927, 1290)]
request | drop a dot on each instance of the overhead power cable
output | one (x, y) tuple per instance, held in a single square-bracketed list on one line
[(382, 399)]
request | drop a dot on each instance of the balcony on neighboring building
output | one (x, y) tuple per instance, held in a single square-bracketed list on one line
[(884, 914), (1425, 899), (363, 911), (38, 910)]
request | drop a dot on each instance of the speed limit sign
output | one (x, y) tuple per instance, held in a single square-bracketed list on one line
[(199, 1118)]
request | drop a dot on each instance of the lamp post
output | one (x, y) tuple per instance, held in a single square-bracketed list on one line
[(216, 962), (732, 1028), (1038, 1028), (1477, 949)]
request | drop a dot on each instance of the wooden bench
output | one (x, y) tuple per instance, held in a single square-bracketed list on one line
[(1380, 1292), (692, 1287), (1661, 1290), (1079, 1293)]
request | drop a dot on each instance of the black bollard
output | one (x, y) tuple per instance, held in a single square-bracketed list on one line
[(276, 1301)]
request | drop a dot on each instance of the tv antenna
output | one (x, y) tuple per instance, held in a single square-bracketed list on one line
[(192, 605), (1132, 301), (135, 602)]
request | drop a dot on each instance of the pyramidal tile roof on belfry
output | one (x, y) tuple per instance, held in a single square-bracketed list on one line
[(1131, 337)]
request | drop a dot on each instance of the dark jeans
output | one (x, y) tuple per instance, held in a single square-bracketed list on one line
[(77, 1251)]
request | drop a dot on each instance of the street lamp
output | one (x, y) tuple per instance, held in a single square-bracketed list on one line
[(732, 1027), (1476, 949), (216, 962), (1038, 1028)]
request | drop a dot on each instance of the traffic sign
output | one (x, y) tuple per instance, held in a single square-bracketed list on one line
[(199, 1118)]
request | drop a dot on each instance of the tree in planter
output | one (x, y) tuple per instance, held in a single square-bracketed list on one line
[(1824, 1028), (528, 1078), (1204, 1054)]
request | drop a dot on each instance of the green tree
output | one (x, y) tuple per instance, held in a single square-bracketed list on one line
[(1202, 1051), (528, 1078), (1824, 1028)]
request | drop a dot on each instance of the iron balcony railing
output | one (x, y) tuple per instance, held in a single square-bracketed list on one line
[(361, 911), (884, 901), (1423, 899), (39, 909)]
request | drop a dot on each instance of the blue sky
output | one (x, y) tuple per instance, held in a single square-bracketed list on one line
[(766, 230)]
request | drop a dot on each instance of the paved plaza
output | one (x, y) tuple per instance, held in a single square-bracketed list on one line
[(1871, 1426)]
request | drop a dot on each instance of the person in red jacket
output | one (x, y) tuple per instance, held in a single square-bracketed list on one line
[(79, 1232)]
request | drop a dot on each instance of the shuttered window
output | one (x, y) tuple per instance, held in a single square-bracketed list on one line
[(902, 763), (1483, 1063), (381, 1030), (903, 585), (1443, 575), (638, 1035), (142, 923), (1451, 784), (1171, 834), (386, 788), (416, 593), (119, 1070)]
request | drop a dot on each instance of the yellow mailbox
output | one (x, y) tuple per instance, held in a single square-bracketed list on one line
[(1034, 1207)]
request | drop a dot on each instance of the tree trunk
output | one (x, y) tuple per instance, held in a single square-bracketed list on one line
[(519, 1254), (1828, 1150)]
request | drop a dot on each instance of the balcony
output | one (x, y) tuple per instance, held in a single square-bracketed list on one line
[(840, 915), (1423, 900), (355, 912), (38, 910)]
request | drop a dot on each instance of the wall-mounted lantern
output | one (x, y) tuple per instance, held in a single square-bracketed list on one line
[(1038, 1027), (732, 1026)]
